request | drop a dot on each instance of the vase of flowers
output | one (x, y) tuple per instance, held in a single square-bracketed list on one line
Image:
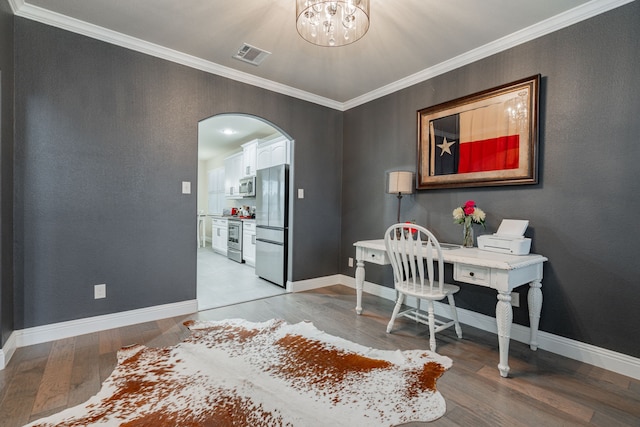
[(468, 215)]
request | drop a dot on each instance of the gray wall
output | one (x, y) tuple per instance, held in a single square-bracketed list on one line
[(583, 211), (6, 173), (104, 137)]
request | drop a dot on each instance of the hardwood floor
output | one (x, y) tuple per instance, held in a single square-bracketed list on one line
[(543, 388)]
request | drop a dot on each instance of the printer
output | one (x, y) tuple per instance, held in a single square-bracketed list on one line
[(509, 239)]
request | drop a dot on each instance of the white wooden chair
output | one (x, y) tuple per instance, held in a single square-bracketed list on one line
[(418, 271)]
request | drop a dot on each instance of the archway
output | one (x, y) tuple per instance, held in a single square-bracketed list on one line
[(222, 140)]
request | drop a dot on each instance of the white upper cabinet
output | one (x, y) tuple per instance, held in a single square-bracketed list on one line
[(273, 152), (232, 175), (249, 158), (216, 190)]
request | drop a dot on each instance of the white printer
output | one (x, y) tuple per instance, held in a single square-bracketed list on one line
[(509, 239)]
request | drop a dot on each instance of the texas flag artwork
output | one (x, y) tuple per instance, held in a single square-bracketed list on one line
[(484, 139), (479, 140)]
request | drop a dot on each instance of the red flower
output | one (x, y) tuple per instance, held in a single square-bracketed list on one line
[(469, 207), (413, 230)]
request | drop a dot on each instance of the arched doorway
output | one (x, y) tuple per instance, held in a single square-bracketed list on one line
[(224, 142)]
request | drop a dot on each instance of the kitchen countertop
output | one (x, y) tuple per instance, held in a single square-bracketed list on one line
[(241, 218)]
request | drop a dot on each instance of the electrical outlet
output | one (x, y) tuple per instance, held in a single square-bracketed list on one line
[(515, 299), (350, 262), (100, 291)]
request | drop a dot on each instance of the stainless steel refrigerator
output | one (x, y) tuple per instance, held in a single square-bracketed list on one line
[(272, 208)]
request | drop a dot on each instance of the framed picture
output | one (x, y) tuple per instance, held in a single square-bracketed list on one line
[(488, 138)]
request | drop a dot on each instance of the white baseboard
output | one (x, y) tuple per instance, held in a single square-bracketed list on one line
[(309, 284), (56, 331), (7, 350), (587, 353)]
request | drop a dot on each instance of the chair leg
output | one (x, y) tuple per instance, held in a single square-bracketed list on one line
[(432, 327), (454, 315), (396, 310)]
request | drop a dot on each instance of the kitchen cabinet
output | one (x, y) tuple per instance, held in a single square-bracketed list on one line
[(272, 153), (219, 235), (215, 191), (249, 158), (232, 175), (249, 242)]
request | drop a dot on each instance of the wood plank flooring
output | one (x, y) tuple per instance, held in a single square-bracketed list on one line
[(543, 389)]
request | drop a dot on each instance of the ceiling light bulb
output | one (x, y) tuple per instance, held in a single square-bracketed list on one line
[(348, 21), (332, 8)]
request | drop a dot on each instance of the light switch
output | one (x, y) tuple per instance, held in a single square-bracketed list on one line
[(186, 187), (300, 193), (100, 291)]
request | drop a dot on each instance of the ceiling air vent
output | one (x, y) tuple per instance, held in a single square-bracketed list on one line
[(251, 54)]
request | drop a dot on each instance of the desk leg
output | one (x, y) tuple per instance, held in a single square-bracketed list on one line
[(535, 306), (504, 318), (359, 283)]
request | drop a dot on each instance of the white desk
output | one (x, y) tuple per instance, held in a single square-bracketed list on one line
[(501, 272)]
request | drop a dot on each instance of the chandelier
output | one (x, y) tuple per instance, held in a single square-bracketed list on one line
[(332, 23)]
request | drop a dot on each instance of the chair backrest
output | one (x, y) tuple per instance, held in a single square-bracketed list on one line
[(411, 248)]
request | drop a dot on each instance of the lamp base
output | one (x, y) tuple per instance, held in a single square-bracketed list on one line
[(399, 202)]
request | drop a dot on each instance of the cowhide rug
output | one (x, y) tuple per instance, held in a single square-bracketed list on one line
[(238, 373)]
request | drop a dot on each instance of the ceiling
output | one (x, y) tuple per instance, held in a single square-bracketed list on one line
[(408, 41), (220, 135)]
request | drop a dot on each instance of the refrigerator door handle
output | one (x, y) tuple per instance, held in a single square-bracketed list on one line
[(273, 242), (270, 227)]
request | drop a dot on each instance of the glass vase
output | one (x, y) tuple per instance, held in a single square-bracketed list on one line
[(467, 236)]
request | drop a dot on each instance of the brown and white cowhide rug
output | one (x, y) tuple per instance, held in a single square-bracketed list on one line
[(238, 373)]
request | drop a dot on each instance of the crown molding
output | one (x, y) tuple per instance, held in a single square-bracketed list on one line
[(570, 17), (44, 16), (15, 5), (565, 19)]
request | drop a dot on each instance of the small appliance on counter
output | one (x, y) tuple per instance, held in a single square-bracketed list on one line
[(247, 212), (509, 239)]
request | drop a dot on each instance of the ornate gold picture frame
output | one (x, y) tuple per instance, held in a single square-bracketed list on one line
[(488, 138)]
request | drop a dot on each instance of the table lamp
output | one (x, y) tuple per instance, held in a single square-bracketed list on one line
[(399, 183)]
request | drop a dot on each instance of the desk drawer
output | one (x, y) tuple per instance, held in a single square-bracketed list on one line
[(472, 274), (375, 256)]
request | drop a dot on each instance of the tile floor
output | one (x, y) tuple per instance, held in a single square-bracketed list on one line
[(224, 282)]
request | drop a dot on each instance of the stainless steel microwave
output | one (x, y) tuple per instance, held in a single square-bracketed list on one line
[(248, 187)]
